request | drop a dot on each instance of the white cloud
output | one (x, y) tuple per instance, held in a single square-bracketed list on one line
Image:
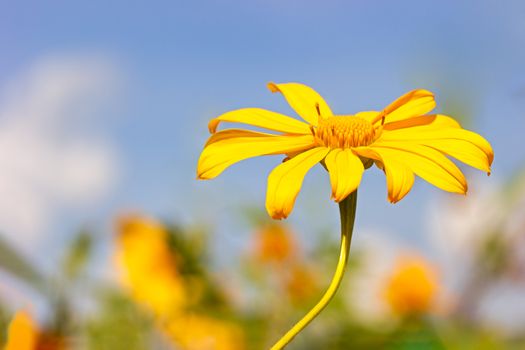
[(51, 155)]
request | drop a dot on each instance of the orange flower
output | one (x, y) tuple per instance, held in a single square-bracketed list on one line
[(301, 283), (412, 287), (275, 243)]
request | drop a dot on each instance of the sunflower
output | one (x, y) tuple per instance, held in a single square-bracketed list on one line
[(402, 140)]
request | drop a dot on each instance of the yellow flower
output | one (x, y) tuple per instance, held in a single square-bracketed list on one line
[(148, 266), (401, 139), (412, 287), (150, 271), (23, 333), (194, 332)]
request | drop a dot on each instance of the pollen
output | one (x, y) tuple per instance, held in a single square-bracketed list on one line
[(344, 132)]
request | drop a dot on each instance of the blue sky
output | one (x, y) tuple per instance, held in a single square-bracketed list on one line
[(175, 65)]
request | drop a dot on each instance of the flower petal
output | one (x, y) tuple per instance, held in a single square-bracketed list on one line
[(423, 122), (285, 181), (304, 100), (22, 333), (412, 104), (400, 180), (261, 118), (399, 177), (346, 171), (428, 136), (231, 146), (230, 134), (462, 150), (427, 163)]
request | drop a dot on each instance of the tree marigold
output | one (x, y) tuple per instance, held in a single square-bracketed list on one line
[(401, 139)]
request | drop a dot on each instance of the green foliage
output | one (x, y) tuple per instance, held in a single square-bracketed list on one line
[(77, 255), (4, 321), (119, 324), (14, 263)]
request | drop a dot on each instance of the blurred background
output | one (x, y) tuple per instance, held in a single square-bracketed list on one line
[(107, 241)]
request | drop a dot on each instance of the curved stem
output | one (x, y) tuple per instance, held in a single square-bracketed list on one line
[(347, 209)]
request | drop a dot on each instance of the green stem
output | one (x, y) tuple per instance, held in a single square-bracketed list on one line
[(347, 209)]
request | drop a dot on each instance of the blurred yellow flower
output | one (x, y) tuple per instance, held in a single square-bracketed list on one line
[(150, 272), (148, 266), (194, 332), (400, 139), (23, 333), (412, 288), (275, 243)]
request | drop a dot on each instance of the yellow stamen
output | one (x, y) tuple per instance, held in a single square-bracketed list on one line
[(344, 132)]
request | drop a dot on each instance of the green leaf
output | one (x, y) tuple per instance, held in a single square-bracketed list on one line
[(14, 263), (120, 324), (78, 255)]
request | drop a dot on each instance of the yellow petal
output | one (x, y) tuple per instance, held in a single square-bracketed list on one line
[(412, 104), (346, 171), (263, 119), (285, 181), (462, 150), (427, 163), (400, 180), (22, 333), (232, 134), (304, 100), (231, 146), (424, 135), (399, 177), (424, 122)]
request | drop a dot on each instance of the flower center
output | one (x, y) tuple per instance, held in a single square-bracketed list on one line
[(344, 131)]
